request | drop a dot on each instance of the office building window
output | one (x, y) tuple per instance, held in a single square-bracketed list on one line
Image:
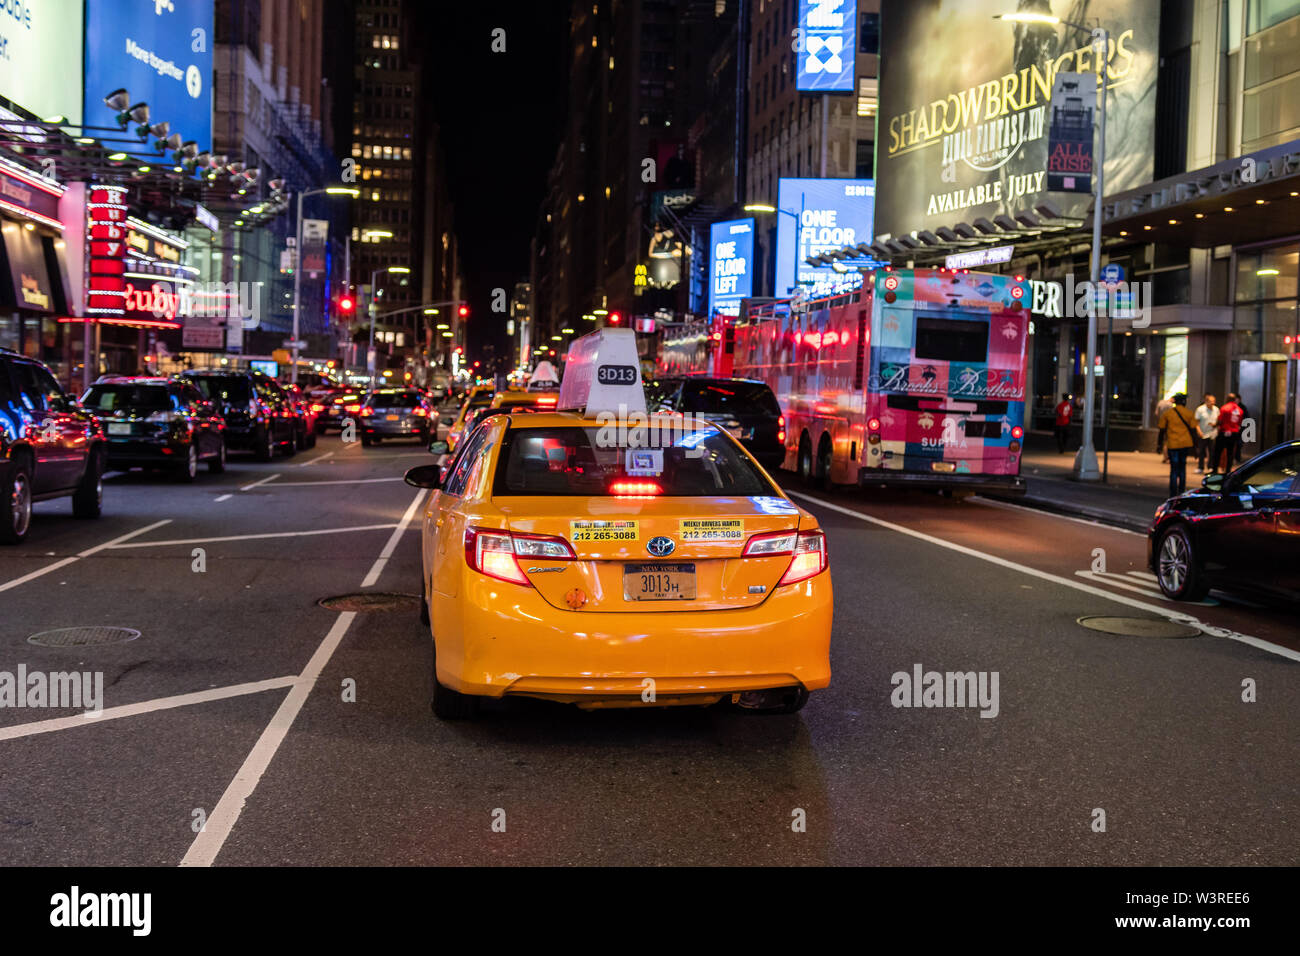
[(869, 33)]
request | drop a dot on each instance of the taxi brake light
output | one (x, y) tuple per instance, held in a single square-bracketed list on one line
[(809, 558), (548, 400), (317, 407), (352, 408), (493, 553), (367, 411), (770, 544), (635, 489)]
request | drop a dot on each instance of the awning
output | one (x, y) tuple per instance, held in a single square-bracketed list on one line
[(1253, 198)]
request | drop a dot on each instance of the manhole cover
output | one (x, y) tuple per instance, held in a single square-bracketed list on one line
[(1139, 627), (83, 636), (372, 601)]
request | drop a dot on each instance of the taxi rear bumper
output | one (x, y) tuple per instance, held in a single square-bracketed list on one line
[(512, 642)]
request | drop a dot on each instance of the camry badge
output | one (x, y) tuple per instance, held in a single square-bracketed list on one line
[(661, 546)]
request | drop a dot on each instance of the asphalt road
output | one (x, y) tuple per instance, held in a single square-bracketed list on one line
[(233, 706)]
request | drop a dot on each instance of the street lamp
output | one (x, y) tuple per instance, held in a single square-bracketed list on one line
[(1085, 460), (297, 269), (798, 220), (374, 281)]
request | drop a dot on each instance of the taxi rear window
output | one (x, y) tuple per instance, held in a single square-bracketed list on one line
[(583, 461)]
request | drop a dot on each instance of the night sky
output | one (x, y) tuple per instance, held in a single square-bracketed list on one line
[(501, 116)]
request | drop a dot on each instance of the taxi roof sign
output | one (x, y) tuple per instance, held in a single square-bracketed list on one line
[(603, 374), (543, 373)]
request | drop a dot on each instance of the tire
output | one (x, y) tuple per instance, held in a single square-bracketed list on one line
[(16, 504), (309, 438), (793, 702), (366, 441), (424, 610), (218, 464), (265, 445), (1178, 569), (88, 499), (804, 463), (448, 704), (188, 470), (293, 443), (824, 453)]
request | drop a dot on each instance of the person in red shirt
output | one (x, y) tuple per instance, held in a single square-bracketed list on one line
[(1063, 413), (1230, 416)]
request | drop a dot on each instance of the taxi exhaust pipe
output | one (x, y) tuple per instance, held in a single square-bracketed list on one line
[(775, 698)]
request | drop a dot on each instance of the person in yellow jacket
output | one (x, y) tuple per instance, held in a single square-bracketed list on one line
[(1178, 428)]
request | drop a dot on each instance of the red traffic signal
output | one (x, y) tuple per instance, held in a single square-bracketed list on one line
[(463, 311), (615, 318), (347, 304)]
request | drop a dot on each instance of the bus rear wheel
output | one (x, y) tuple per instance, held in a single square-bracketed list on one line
[(824, 463), (805, 464)]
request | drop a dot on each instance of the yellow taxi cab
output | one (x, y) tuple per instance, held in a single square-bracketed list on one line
[(573, 560), (479, 396)]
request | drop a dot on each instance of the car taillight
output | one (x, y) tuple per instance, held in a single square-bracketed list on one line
[(317, 408), (421, 413), (770, 544), (547, 401), (353, 409), (635, 489), (367, 411), (873, 425), (1013, 446), (809, 558), (494, 553), (780, 428)]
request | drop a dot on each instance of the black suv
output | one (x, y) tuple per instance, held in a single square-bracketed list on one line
[(50, 447), (742, 406), (158, 423), (260, 416)]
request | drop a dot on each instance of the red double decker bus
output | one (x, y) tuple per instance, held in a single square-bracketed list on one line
[(917, 378)]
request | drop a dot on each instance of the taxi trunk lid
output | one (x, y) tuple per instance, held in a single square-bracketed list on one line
[(616, 569)]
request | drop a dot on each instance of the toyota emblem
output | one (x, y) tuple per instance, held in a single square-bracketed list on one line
[(661, 546)]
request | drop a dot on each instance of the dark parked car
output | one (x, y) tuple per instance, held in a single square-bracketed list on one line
[(50, 447), (260, 416), (1239, 531), (744, 407), (158, 423), (395, 413)]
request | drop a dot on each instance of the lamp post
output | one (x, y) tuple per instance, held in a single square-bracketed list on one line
[(297, 268), (374, 281), (798, 223), (1085, 460)]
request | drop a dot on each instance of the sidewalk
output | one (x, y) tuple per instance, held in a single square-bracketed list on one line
[(1137, 483)]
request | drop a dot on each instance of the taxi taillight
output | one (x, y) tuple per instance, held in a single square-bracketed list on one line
[(367, 411), (780, 429), (634, 489), (494, 552), (770, 544), (809, 558)]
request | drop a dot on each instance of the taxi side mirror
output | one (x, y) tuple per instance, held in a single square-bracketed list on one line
[(424, 476), (1213, 482), (438, 448)]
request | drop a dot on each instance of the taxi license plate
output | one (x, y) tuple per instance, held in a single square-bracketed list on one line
[(391, 418), (659, 582), (119, 428), (944, 466)]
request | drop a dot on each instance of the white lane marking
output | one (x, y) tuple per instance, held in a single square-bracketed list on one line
[(328, 454), (1115, 581), (143, 707), (224, 498), (250, 537), (208, 843), (1178, 616), (334, 481), (260, 482), (1143, 575), (64, 562), (1091, 522), (378, 567)]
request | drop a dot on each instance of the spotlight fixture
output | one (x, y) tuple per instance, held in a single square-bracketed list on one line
[(252, 174), (172, 142), (275, 185), (117, 102), (235, 168), (140, 114)]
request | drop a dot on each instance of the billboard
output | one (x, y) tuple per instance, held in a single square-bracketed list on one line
[(825, 46), (162, 54), (826, 215), (40, 69), (731, 265), (965, 106)]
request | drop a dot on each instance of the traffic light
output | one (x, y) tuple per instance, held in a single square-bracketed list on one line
[(347, 304), (463, 311), (615, 318)]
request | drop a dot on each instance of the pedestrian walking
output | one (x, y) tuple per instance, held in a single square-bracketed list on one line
[(1179, 431), (1162, 406), (1207, 431), (1064, 411), (1228, 444)]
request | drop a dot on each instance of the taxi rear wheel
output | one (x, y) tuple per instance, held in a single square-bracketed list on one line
[(450, 704)]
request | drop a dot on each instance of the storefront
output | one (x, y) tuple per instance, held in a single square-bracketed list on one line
[(34, 287)]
